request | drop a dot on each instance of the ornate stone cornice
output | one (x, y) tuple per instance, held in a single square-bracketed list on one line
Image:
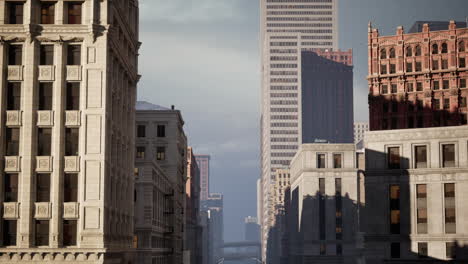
[(418, 134)]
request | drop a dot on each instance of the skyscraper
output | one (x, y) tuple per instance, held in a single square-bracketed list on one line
[(286, 28), (68, 90), (203, 162)]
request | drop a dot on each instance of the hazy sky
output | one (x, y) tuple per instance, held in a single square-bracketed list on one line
[(203, 57)]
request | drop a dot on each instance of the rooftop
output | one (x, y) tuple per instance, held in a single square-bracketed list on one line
[(143, 105), (434, 25)]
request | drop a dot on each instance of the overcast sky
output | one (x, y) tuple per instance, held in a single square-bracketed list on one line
[(203, 57)]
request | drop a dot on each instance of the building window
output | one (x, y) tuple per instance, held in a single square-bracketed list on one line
[(392, 68), (450, 213), (419, 86), (383, 69), (395, 250), (436, 85), (384, 89), (444, 64), (46, 54), (42, 233), (73, 96), (9, 232), (323, 249), (69, 232), (392, 53), (339, 250), (409, 67), (320, 161), (409, 87), (394, 209), (461, 46), (446, 103), (394, 158), (44, 140), (13, 96), (418, 51), (383, 54), (422, 250), (72, 141), (420, 157), (462, 62), (161, 153), (43, 188), (15, 54), (74, 10), (450, 250), (394, 88), (45, 96), (74, 55), (463, 102), (448, 155), (47, 12), (418, 66), (15, 12), (161, 131), (444, 48), (421, 204), (337, 161), (12, 141), (140, 152), (462, 83), (435, 49), (445, 84), (11, 188), (70, 190), (141, 131), (436, 104), (409, 52), (435, 65)]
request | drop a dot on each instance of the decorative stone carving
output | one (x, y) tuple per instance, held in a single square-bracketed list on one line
[(71, 210), (73, 73), (72, 118), (11, 210), (42, 210), (72, 164), (45, 118), (15, 73), (46, 72), (12, 164), (44, 164), (13, 118)]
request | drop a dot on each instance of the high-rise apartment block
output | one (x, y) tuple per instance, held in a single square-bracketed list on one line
[(68, 89), (203, 162), (418, 79), (161, 160), (287, 27)]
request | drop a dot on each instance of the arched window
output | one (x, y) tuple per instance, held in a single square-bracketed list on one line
[(383, 54), (444, 48), (409, 52), (435, 49), (418, 50), (392, 53), (461, 46)]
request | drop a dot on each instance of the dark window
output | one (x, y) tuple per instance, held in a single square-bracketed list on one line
[(385, 107), (450, 213), (410, 122), (394, 88), (161, 131), (462, 62), (436, 85), (392, 68), (47, 12), (11, 188), (420, 156), (409, 67), (73, 96), (418, 51), (421, 196), (15, 12), (161, 153), (436, 104), (409, 51), (444, 64), (15, 54), (422, 250), (74, 55), (420, 121), (140, 152), (418, 66), (419, 86), (394, 123), (395, 106), (70, 192), (339, 250), (42, 233), (9, 232), (462, 83), (446, 103), (71, 141), (141, 131), (323, 249), (450, 250), (461, 46), (12, 141), (383, 69), (14, 96), (463, 102), (395, 250), (320, 161), (47, 55), (383, 54), (435, 65), (395, 209), (337, 161), (394, 158), (384, 89), (448, 155), (409, 87), (42, 188), (435, 49), (392, 53), (322, 215), (45, 96), (69, 232), (44, 140), (74, 12), (444, 48)]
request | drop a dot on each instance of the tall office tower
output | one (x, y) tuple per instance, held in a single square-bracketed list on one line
[(68, 90), (215, 208), (359, 129), (203, 162), (193, 233), (252, 229), (287, 26), (161, 159), (418, 80)]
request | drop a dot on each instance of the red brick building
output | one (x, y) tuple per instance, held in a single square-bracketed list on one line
[(418, 79)]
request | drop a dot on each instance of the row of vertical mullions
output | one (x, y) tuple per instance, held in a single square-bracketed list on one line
[(46, 13)]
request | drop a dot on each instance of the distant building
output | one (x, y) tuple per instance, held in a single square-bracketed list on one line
[(419, 79), (204, 221), (359, 129), (203, 162), (214, 206), (161, 160), (193, 233), (252, 229), (418, 26)]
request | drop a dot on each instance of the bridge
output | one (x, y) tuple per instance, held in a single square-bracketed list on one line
[(244, 250)]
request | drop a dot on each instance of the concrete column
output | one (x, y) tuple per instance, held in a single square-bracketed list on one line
[(59, 12), (2, 12), (2, 118)]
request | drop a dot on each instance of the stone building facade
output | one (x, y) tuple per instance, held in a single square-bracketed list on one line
[(203, 162), (161, 149), (419, 79), (193, 234), (68, 90), (324, 205), (415, 189)]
